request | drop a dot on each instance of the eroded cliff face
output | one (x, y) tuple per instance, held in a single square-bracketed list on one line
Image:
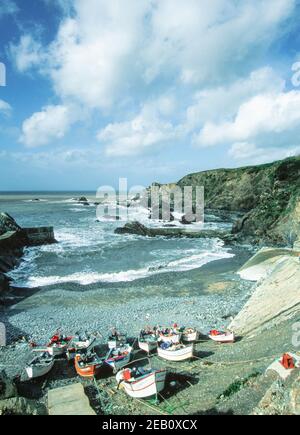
[(267, 195)]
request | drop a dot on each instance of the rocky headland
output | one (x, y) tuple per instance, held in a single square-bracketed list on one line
[(13, 241), (262, 202)]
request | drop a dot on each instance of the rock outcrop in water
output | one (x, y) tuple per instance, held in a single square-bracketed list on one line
[(141, 230), (13, 240), (267, 195)]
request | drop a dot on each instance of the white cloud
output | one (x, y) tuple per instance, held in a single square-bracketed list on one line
[(8, 7), (244, 151), (210, 41), (5, 108), (49, 124), (143, 132), (261, 116), (107, 57), (27, 54), (219, 103)]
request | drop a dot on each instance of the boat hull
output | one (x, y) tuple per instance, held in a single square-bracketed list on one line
[(57, 350), (190, 337), (147, 346), (182, 354), (34, 372), (174, 339), (118, 364), (87, 371), (223, 338), (146, 387)]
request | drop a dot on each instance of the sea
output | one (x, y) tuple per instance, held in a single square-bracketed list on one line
[(89, 252)]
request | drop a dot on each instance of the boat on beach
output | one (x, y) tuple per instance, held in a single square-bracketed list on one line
[(190, 335), (58, 344), (119, 357), (148, 341), (169, 335), (116, 339), (175, 352), (88, 363), (79, 342), (222, 337), (40, 366), (142, 383)]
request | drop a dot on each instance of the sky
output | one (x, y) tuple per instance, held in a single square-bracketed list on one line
[(150, 90)]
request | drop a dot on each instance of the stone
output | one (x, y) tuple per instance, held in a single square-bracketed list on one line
[(7, 387), (21, 406), (8, 224)]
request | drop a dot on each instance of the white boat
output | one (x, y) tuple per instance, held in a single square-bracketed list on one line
[(119, 357), (170, 337), (190, 335), (222, 337), (176, 352), (40, 366), (116, 340), (78, 343), (140, 383), (148, 342)]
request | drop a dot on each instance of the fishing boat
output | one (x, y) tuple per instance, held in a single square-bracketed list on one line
[(175, 352), (140, 383), (190, 335), (119, 357), (88, 363), (58, 344), (222, 337), (79, 342), (169, 335), (40, 366), (148, 341), (116, 339)]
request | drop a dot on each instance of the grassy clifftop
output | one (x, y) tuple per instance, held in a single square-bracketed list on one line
[(268, 195)]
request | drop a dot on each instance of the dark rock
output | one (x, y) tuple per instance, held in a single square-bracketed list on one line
[(186, 220), (7, 224), (22, 406), (7, 387), (139, 229)]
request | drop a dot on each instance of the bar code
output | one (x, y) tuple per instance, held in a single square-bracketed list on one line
[(2, 334)]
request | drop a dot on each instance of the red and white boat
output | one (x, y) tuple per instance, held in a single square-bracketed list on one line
[(140, 383), (58, 344), (222, 337)]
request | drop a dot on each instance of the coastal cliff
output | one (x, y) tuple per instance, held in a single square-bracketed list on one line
[(262, 203), (268, 196)]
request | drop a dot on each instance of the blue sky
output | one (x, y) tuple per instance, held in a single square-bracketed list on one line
[(96, 90)]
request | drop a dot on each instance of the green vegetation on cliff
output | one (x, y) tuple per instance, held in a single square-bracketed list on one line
[(268, 195)]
